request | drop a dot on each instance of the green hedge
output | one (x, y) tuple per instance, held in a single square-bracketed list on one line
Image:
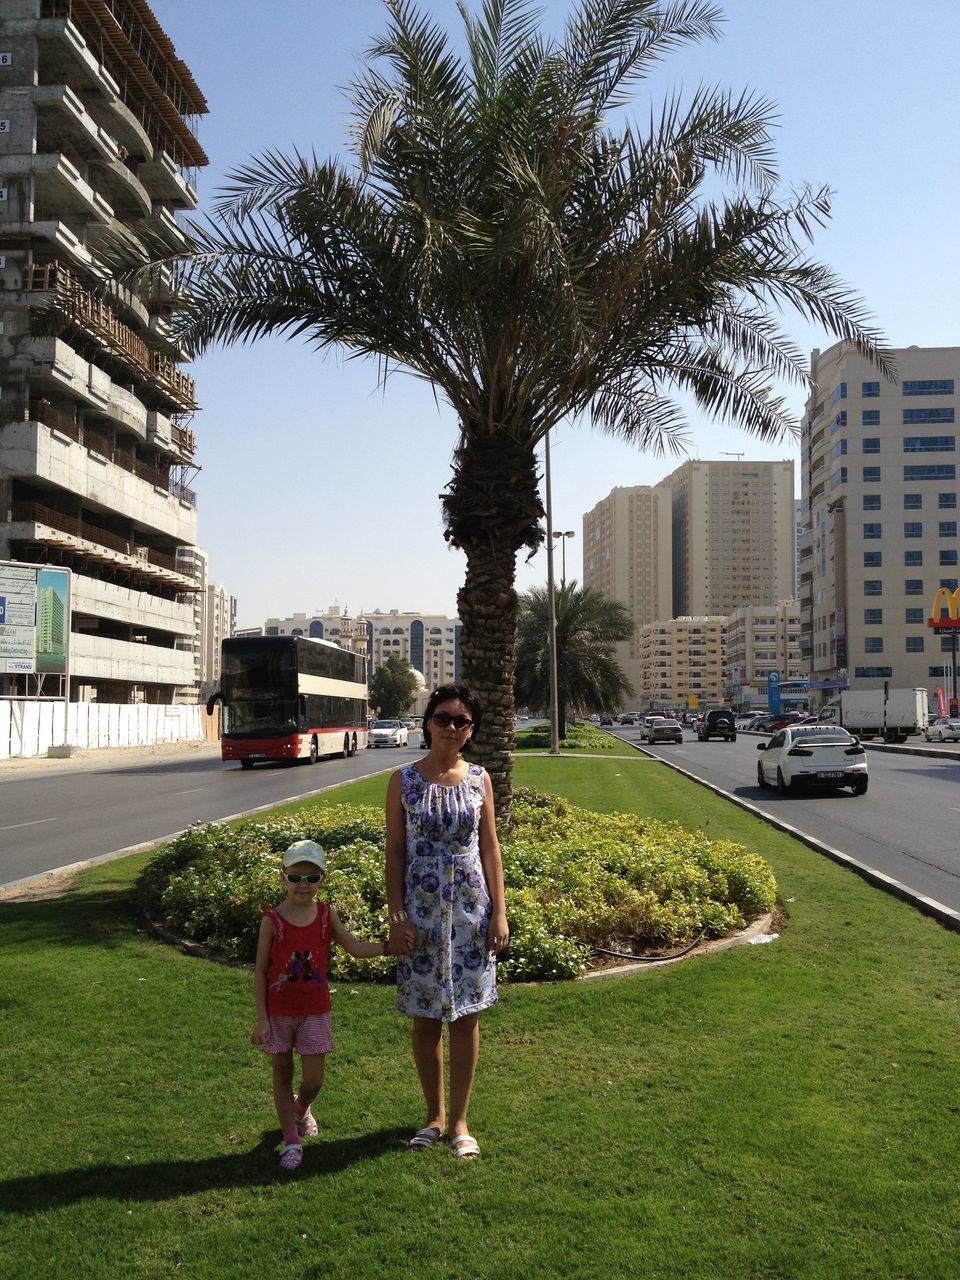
[(579, 737), (575, 880)]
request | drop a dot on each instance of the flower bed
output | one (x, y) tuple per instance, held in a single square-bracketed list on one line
[(575, 880)]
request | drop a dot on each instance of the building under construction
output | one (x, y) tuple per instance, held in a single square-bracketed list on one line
[(98, 152)]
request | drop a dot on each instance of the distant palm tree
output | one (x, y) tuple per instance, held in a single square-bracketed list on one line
[(589, 678), (497, 237)]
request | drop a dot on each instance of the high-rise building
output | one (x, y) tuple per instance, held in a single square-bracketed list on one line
[(219, 622), (430, 643), (627, 540), (681, 664), (97, 154), (761, 639), (880, 490), (734, 535)]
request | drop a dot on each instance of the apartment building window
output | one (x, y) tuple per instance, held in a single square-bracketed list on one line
[(872, 530), (913, 587), (872, 558), (839, 450), (870, 417), (838, 477), (873, 673), (945, 471), (946, 501), (929, 444), (912, 501), (839, 392), (871, 475), (914, 644), (871, 444), (873, 587), (917, 417), (937, 671), (948, 557), (949, 583), (912, 617), (913, 559), (913, 529), (869, 389), (871, 502), (928, 387), (873, 617)]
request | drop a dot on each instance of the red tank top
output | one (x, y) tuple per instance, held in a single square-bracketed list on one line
[(297, 977)]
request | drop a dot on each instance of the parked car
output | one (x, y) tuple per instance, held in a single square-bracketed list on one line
[(812, 755), (718, 723), (649, 720), (943, 729), (663, 729), (387, 733)]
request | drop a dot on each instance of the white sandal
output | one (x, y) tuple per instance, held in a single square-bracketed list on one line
[(424, 1138), (465, 1147)]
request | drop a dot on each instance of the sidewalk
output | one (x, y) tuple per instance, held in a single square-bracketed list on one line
[(83, 761)]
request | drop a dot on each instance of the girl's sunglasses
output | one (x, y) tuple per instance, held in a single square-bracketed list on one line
[(293, 877), (442, 719)]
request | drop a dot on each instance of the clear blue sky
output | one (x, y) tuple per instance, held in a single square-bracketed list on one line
[(317, 487)]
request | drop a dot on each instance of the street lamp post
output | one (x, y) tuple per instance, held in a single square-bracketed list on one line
[(551, 606), (570, 533)]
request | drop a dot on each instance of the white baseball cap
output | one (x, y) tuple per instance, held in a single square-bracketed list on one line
[(305, 851)]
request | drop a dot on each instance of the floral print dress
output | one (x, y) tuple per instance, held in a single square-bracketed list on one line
[(450, 971)]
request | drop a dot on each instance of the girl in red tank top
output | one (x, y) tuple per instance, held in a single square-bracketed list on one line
[(291, 990)]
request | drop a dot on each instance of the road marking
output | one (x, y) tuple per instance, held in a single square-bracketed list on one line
[(35, 823), (188, 791)]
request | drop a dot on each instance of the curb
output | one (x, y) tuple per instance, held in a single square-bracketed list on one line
[(929, 906), (753, 930)]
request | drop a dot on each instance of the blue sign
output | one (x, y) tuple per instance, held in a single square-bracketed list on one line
[(773, 692), (3, 609)]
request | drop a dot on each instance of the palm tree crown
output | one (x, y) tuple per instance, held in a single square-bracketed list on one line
[(589, 678), (497, 237)]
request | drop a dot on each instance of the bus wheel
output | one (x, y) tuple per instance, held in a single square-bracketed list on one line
[(346, 746), (353, 745), (246, 764), (314, 750)]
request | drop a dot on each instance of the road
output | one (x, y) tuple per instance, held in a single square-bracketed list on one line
[(54, 817), (906, 826)]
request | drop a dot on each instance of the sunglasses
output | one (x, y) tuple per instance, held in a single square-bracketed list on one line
[(441, 719), (294, 877)]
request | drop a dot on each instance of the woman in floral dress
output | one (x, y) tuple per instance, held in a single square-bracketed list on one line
[(446, 903)]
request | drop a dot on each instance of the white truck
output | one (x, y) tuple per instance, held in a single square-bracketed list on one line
[(892, 714)]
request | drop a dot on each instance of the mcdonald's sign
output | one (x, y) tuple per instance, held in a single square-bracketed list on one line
[(946, 610)]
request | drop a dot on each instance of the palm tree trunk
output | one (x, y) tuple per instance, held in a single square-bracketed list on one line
[(492, 508)]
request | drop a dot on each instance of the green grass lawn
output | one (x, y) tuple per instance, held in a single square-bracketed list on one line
[(787, 1110)]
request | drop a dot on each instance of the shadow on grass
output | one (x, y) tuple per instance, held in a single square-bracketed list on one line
[(101, 917), (168, 1179)]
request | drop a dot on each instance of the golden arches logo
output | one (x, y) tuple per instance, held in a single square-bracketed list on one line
[(945, 601)]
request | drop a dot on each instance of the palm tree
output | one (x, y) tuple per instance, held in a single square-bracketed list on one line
[(495, 236), (589, 678)]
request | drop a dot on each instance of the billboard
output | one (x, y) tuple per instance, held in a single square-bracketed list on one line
[(34, 619)]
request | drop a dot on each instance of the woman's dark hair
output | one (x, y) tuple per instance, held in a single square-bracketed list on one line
[(450, 693)]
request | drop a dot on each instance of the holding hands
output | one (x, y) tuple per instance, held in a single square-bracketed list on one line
[(403, 935)]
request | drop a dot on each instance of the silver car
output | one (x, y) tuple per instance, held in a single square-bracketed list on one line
[(943, 729)]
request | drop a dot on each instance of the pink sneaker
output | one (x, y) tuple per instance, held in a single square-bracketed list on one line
[(306, 1125), (291, 1157)]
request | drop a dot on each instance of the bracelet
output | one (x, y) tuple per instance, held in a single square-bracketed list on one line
[(398, 917)]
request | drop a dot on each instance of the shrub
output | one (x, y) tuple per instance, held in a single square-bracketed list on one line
[(579, 737), (575, 881)]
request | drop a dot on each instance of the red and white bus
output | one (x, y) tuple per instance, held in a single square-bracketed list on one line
[(290, 698)]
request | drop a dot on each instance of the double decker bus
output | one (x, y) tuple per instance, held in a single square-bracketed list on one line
[(290, 698)]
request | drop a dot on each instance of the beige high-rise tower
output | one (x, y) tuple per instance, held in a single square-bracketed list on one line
[(734, 535), (627, 557)]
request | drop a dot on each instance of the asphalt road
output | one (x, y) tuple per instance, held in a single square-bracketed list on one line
[(55, 816), (906, 826)]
